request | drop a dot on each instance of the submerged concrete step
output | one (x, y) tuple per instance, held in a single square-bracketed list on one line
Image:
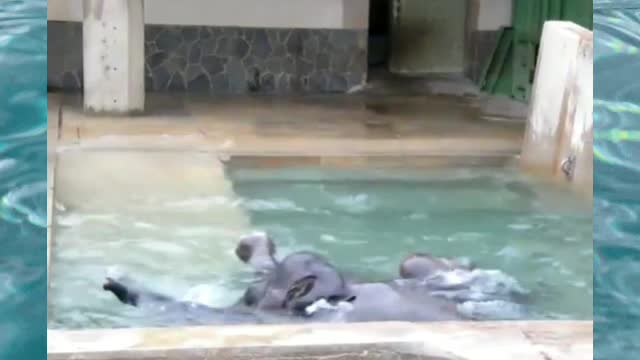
[(163, 190)]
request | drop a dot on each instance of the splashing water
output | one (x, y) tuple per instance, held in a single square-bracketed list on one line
[(364, 222)]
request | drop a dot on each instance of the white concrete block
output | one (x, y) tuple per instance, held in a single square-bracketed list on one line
[(113, 50), (558, 140)]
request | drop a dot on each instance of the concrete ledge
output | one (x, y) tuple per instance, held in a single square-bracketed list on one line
[(388, 161), (331, 126), (533, 340)]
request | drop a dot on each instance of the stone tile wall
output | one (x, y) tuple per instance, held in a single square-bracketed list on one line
[(228, 60)]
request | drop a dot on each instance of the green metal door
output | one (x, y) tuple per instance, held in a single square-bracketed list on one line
[(511, 74)]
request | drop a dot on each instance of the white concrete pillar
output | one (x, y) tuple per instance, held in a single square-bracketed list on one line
[(113, 50), (559, 136)]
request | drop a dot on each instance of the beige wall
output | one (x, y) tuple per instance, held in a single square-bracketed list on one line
[(324, 14), (64, 10), (488, 15), (355, 14)]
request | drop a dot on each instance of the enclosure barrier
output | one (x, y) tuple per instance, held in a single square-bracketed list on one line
[(559, 138), (532, 340)]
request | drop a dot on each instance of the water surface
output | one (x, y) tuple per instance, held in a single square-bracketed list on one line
[(172, 220), (23, 124), (616, 228)]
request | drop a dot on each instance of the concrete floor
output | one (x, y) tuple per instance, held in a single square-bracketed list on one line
[(329, 125)]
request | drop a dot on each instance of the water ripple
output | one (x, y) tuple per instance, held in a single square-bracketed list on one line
[(616, 228), (23, 125)]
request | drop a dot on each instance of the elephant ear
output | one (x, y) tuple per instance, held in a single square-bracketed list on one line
[(299, 289)]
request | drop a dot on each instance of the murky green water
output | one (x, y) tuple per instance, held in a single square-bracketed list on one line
[(179, 237), (368, 221), (23, 126)]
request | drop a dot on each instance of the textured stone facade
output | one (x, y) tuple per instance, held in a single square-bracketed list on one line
[(228, 60)]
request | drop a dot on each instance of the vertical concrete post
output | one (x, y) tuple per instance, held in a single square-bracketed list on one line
[(559, 137), (113, 50)]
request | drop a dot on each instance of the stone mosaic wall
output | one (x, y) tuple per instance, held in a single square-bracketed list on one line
[(228, 60)]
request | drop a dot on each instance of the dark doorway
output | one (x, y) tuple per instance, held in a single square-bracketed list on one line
[(379, 33)]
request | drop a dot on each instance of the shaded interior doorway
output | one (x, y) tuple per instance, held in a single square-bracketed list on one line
[(428, 37), (415, 38), (379, 33)]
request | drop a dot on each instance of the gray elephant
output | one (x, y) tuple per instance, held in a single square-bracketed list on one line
[(318, 280), (443, 288), (305, 287), (302, 287)]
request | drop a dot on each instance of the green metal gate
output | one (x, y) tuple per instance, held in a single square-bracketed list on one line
[(511, 67)]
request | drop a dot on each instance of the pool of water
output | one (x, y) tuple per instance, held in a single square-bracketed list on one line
[(129, 213), (23, 124), (616, 228)]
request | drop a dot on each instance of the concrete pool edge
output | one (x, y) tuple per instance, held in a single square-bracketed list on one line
[(332, 159), (444, 340)]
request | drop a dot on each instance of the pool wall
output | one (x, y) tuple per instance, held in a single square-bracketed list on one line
[(556, 340), (559, 138)]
